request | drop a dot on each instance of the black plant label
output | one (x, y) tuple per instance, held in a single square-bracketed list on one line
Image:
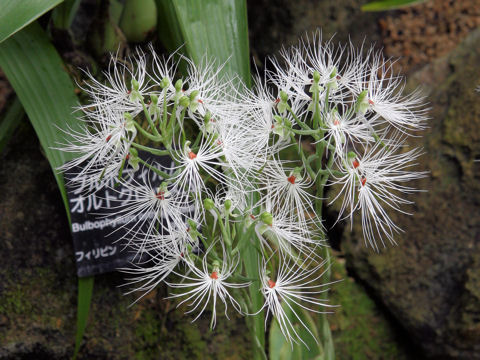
[(101, 219)]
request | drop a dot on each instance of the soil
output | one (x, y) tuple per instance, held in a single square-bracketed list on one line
[(421, 33)]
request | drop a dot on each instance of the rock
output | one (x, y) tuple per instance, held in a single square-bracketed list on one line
[(431, 281)]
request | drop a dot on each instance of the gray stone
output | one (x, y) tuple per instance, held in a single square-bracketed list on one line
[(431, 281)]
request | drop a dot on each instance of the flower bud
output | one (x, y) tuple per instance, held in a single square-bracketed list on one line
[(164, 83), (154, 99), (194, 94), (178, 85), (184, 101), (267, 218), (135, 85), (228, 205), (316, 76), (351, 155), (208, 204)]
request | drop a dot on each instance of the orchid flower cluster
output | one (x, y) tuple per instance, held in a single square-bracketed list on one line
[(235, 216)]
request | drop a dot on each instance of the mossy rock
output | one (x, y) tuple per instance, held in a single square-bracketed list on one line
[(430, 281)]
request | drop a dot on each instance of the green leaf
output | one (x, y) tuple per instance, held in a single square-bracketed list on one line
[(281, 349), (389, 4), (10, 122), (36, 72), (16, 14), (214, 28), (63, 15), (85, 290), (169, 29)]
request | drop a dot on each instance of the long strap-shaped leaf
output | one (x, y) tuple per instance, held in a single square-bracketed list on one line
[(216, 28), (384, 5), (36, 72), (16, 14), (10, 122)]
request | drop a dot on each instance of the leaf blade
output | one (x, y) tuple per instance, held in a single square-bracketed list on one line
[(211, 27), (45, 90), (85, 290), (389, 4), (10, 122), (15, 15)]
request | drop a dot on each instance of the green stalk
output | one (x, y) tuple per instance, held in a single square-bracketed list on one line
[(146, 133), (152, 151), (149, 119), (159, 172)]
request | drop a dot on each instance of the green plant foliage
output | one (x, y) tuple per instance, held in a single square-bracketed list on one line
[(280, 349), (214, 28), (63, 15), (389, 4), (15, 14), (85, 290), (10, 122), (38, 76)]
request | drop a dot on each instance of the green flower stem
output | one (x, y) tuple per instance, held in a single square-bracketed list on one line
[(147, 134), (309, 169), (149, 119), (171, 123), (150, 150), (164, 175), (302, 124), (163, 124), (225, 233), (182, 117), (122, 166), (306, 132)]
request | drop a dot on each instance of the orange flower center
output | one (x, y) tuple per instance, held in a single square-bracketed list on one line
[(356, 164), (363, 180), (214, 275), (271, 283), (291, 179), (192, 155)]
